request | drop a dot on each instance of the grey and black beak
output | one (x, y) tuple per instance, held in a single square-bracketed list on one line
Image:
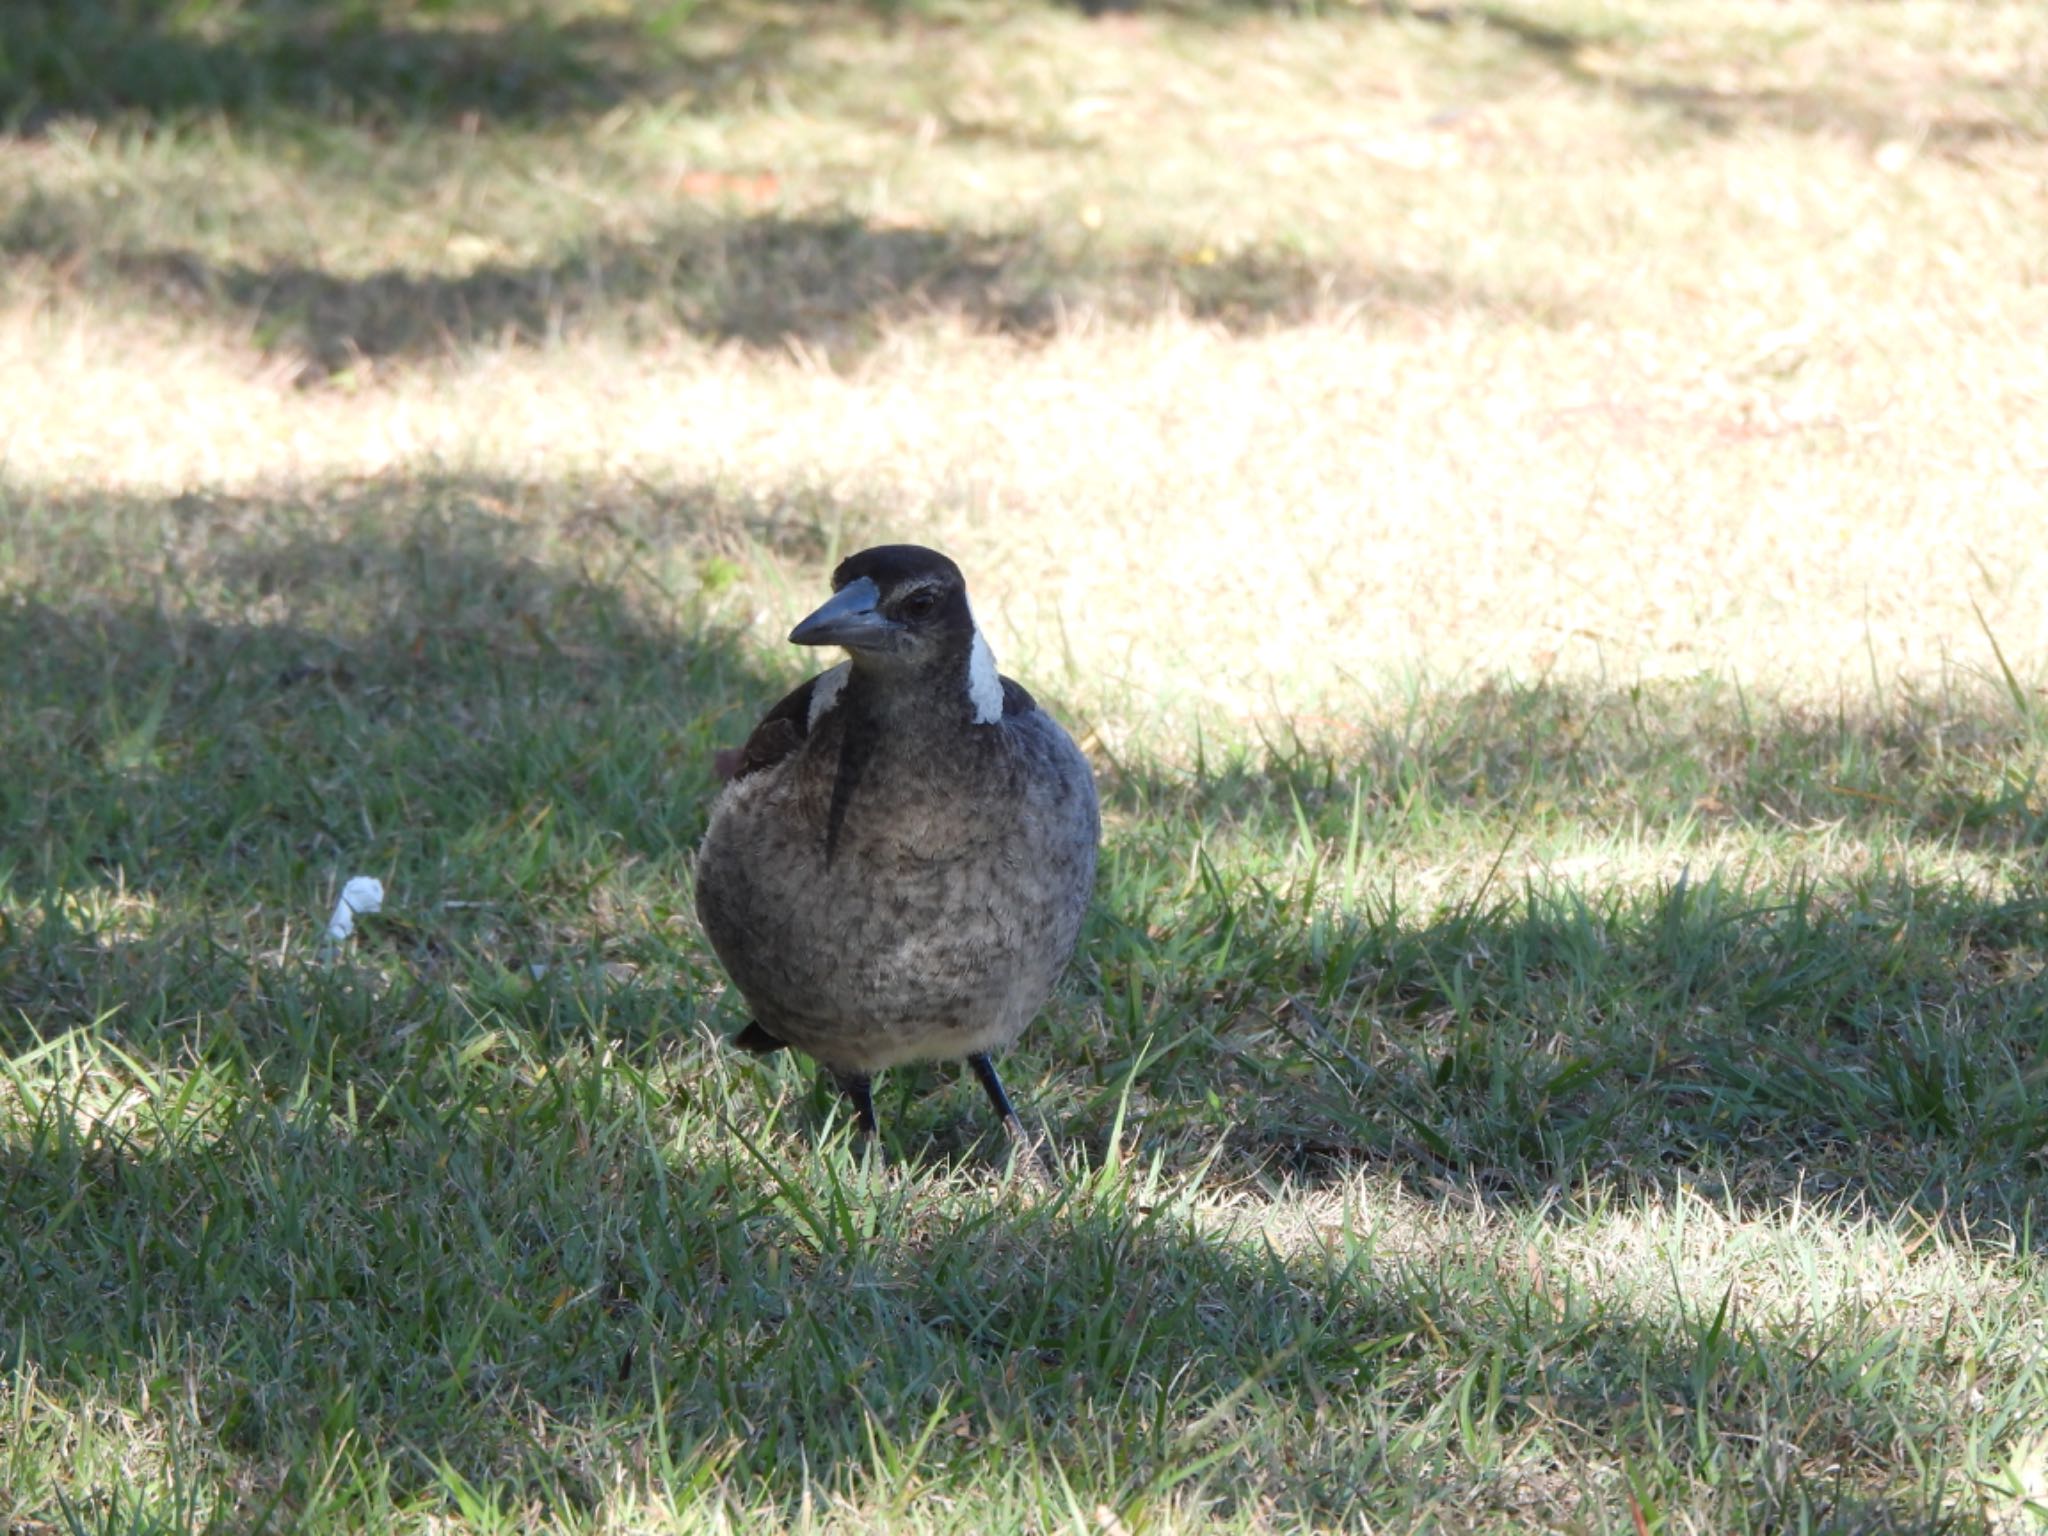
[(852, 619)]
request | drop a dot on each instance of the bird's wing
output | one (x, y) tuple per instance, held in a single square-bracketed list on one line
[(1016, 699), (781, 731)]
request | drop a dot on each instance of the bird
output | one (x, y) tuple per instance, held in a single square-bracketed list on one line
[(899, 864)]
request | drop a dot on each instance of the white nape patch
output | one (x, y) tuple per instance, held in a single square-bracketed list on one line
[(825, 693), (984, 683)]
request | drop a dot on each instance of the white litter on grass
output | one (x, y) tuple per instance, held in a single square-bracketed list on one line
[(365, 893)]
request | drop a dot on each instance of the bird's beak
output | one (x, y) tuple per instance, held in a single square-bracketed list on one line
[(850, 619)]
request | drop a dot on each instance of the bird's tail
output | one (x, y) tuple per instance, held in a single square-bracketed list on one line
[(756, 1039)]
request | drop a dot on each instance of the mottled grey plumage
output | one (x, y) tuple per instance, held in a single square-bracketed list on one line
[(899, 869)]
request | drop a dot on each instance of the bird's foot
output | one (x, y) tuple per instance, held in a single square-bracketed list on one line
[(1034, 1154), (859, 1090)]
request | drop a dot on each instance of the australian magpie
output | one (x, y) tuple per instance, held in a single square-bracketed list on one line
[(898, 869)]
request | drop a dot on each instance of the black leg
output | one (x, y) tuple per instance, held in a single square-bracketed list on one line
[(985, 1069), (859, 1088)]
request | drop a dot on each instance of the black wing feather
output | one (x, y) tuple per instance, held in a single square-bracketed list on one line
[(1016, 701), (781, 731)]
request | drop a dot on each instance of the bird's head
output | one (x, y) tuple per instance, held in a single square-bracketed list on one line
[(896, 600), (902, 609)]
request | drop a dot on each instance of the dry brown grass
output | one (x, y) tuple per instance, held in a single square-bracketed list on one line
[(1642, 340)]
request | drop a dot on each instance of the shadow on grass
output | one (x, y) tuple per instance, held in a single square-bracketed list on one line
[(1880, 1041), (1871, 112), (833, 281), (384, 63), (430, 1276), (365, 62), (208, 730), (1752, 966)]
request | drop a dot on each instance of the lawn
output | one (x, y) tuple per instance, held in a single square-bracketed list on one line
[(1534, 510)]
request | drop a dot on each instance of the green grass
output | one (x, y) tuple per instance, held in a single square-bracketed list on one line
[(1531, 511), (1712, 1192)]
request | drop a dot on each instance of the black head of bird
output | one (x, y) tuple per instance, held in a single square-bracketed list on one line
[(902, 612), (899, 868)]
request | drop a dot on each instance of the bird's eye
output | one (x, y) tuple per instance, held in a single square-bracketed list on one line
[(920, 605)]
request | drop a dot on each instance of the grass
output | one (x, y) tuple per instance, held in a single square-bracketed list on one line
[(1533, 512)]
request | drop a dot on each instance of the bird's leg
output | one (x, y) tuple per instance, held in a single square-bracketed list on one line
[(1041, 1155), (985, 1069), (859, 1088)]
